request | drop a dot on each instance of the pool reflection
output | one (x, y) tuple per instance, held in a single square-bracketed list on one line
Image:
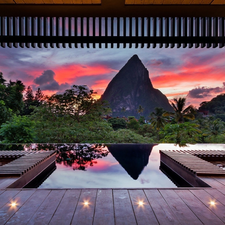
[(133, 158), (79, 157), (107, 166)]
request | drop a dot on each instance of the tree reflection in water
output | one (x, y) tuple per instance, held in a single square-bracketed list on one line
[(80, 156)]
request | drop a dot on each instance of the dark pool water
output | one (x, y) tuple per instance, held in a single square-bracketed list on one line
[(111, 166)]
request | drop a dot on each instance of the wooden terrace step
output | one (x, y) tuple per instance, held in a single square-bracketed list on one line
[(14, 154), (24, 163), (194, 164), (203, 153)]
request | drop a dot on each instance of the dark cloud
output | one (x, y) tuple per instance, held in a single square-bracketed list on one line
[(164, 62), (46, 77), (203, 92), (154, 62), (19, 75), (115, 64), (47, 82)]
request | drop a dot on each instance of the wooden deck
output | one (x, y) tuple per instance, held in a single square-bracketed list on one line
[(203, 153), (24, 163), (14, 154), (115, 206), (194, 164)]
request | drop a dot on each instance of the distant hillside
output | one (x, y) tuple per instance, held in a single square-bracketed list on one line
[(130, 88), (215, 106)]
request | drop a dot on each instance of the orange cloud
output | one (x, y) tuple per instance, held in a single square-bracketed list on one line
[(192, 75), (177, 94), (70, 73), (99, 87)]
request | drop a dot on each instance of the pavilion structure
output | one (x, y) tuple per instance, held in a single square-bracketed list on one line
[(112, 23)]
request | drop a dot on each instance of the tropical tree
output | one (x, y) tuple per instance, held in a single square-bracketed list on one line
[(39, 97), (12, 94), (140, 109), (5, 113), (28, 101), (180, 112), (78, 103), (123, 109), (133, 124), (117, 123), (158, 119), (181, 133)]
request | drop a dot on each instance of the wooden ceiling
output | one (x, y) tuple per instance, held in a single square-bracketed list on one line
[(174, 2), (113, 8), (127, 2), (79, 2)]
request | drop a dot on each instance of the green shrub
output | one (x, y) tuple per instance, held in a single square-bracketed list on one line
[(118, 123), (20, 129), (180, 133), (133, 124), (127, 136)]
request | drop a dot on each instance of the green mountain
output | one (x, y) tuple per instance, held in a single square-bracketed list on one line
[(215, 105), (131, 88)]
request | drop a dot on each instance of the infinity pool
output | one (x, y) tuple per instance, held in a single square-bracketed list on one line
[(111, 166)]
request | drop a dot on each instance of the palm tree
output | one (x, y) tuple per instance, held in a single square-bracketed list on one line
[(181, 112), (123, 109), (140, 109), (157, 119)]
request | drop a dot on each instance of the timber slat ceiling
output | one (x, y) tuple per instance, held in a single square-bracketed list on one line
[(79, 2), (110, 31), (174, 2), (127, 2)]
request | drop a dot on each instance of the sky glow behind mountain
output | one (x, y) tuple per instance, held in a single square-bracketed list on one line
[(198, 74)]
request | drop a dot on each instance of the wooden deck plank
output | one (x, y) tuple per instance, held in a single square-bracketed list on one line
[(7, 211), (7, 182), (221, 180), (2, 180), (183, 213), (216, 195), (214, 183), (66, 209), (206, 198), (45, 212), (25, 213), (201, 211), (84, 214), (124, 213), (144, 214), (104, 211), (163, 212), (7, 196)]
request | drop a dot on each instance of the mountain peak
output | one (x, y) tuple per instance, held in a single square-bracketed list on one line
[(132, 87), (135, 60)]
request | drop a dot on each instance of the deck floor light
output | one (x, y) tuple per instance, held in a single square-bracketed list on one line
[(212, 203), (13, 204), (140, 203), (86, 203)]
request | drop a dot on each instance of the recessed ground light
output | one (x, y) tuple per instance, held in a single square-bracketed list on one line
[(86, 203), (212, 203), (141, 203), (13, 204)]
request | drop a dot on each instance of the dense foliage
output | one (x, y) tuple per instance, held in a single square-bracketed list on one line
[(216, 105), (75, 116)]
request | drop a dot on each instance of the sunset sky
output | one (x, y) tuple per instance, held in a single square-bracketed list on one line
[(198, 74)]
